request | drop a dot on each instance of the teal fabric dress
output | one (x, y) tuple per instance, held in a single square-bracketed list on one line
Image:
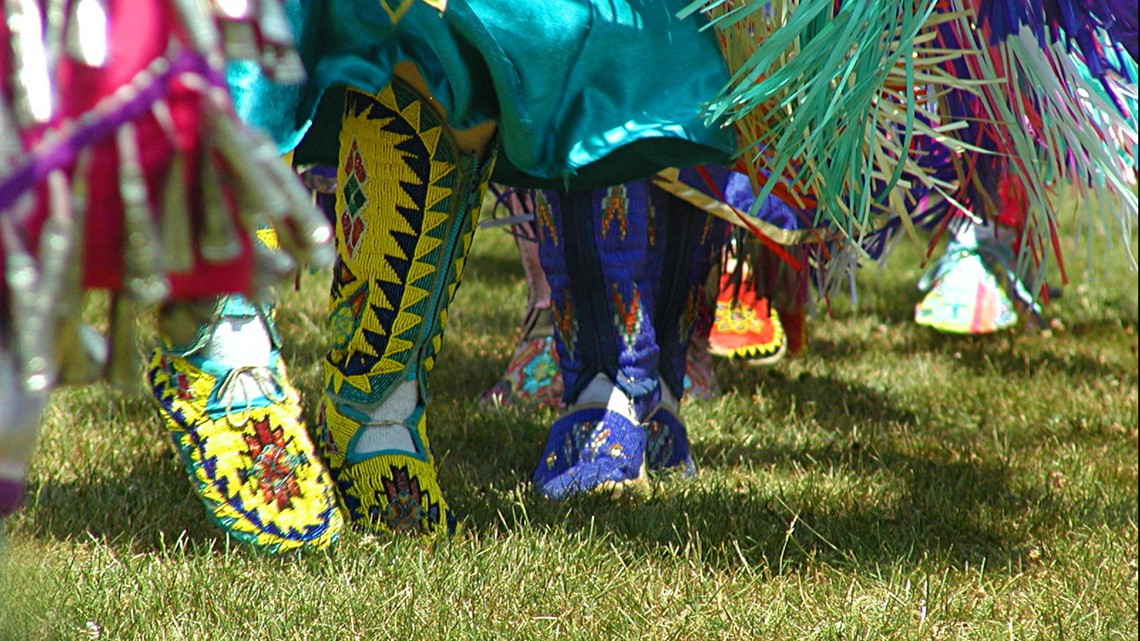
[(586, 92)]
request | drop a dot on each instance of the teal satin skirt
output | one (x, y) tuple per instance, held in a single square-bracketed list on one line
[(585, 92)]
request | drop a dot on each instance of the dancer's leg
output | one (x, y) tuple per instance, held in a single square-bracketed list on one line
[(598, 249), (692, 241), (700, 373), (409, 192), (532, 377), (692, 244)]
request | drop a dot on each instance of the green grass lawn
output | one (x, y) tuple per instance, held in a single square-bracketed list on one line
[(892, 483)]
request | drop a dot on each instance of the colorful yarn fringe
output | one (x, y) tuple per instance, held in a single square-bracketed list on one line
[(124, 167), (866, 108)]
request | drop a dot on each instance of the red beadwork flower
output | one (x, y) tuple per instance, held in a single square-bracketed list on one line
[(272, 465), (354, 164), (405, 502)]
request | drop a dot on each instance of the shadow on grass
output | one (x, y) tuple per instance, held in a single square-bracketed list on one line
[(737, 527), (148, 503), (838, 405), (960, 512), (891, 301), (1010, 354), (149, 506)]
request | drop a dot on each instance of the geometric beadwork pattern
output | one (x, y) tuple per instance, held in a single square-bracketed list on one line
[(565, 320), (388, 492), (348, 309), (615, 208), (533, 377), (352, 222), (625, 300), (745, 326), (406, 206), (251, 461), (545, 219), (627, 314), (407, 202)]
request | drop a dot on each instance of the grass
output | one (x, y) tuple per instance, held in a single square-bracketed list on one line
[(892, 483)]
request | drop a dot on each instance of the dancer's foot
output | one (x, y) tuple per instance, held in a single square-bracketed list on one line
[(596, 446), (409, 188), (963, 296), (745, 327), (794, 322), (700, 375), (533, 377), (239, 431), (668, 441), (383, 465)]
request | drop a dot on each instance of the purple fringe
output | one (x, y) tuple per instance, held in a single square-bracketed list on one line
[(1100, 32), (99, 124)]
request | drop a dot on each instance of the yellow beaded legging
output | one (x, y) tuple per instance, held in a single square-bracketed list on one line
[(407, 206)]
